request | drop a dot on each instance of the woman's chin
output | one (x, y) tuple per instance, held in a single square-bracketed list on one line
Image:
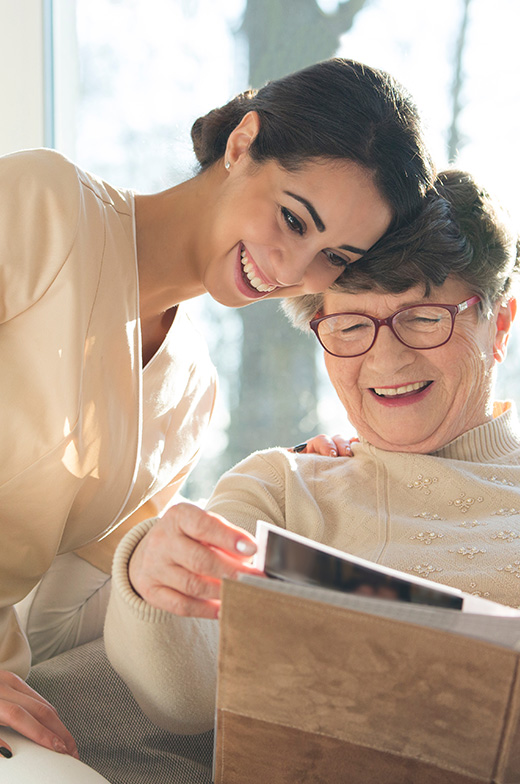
[(399, 441)]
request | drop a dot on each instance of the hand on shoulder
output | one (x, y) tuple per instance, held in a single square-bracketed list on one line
[(328, 446)]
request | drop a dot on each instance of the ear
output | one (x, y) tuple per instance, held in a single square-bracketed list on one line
[(504, 321), (241, 137)]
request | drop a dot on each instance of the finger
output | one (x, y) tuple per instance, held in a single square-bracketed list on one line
[(321, 445), (15, 691), (213, 530), (201, 599), (173, 601), (343, 445), (179, 591), (38, 722), (209, 561), (181, 581), (194, 569)]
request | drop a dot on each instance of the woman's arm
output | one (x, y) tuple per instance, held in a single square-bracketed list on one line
[(171, 568), (167, 659)]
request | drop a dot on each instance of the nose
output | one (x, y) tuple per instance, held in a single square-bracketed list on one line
[(389, 352), (289, 268)]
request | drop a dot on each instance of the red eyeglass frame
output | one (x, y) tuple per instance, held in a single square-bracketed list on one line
[(453, 310)]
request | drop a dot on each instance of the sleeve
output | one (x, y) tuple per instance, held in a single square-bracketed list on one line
[(168, 662), (15, 655), (39, 206), (101, 553)]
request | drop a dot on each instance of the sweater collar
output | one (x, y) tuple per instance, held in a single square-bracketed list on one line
[(488, 442)]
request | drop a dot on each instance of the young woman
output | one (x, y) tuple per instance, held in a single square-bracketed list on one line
[(107, 387)]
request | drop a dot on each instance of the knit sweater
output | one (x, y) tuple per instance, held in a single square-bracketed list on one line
[(452, 517)]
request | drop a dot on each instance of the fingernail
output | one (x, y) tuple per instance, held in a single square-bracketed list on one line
[(333, 453), (245, 547), (299, 447), (59, 746), (5, 752)]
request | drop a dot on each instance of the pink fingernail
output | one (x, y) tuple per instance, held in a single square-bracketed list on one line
[(245, 547), (333, 453), (59, 746)]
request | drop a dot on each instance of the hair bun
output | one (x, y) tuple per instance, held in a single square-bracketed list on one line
[(210, 133)]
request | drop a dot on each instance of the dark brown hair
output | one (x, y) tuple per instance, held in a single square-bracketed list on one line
[(461, 231), (337, 109)]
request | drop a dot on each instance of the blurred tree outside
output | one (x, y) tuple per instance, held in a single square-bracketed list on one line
[(455, 141)]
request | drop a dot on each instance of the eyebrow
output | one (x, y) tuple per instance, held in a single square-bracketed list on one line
[(310, 209), (319, 223)]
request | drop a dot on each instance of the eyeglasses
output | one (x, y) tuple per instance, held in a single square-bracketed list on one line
[(419, 326)]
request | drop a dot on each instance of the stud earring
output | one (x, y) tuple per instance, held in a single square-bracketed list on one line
[(227, 165)]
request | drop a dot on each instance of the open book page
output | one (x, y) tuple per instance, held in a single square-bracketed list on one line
[(504, 631), (287, 556)]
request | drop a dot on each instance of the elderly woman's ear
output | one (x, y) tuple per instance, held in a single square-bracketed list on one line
[(504, 321)]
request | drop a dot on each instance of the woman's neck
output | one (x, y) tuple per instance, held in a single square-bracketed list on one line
[(168, 231), (162, 243)]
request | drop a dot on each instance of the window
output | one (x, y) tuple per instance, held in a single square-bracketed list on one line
[(145, 69)]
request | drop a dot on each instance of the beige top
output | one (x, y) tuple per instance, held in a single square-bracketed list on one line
[(88, 437), (452, 517)]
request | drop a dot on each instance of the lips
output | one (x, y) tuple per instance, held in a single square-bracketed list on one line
[(252, 275), (401, 391), (402, 395)]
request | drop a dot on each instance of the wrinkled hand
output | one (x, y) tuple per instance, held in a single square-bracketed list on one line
[(328, 446), (178, 566), (24, 710)]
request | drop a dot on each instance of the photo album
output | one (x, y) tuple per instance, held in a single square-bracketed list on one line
[(331, 663)]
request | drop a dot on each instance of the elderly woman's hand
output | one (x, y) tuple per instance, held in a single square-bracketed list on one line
[(328, 446), (178, 566), (27, 712)]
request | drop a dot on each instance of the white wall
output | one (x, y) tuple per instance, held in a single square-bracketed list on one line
[(21, 75)]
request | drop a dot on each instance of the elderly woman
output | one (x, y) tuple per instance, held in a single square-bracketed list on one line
[(412, 337)]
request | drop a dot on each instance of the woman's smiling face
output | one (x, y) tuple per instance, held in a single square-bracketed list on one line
[(403, 399), (279, 233)]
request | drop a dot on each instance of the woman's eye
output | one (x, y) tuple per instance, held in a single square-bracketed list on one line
[(336, 259), (292, 221)]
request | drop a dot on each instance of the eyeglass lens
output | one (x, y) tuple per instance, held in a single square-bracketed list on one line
[(421, 326)]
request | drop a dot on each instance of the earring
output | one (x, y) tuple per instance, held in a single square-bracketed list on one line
[(227, 165)]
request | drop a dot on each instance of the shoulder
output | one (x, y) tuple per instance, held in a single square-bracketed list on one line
[(273, 471), (276, 460), (281, 461), (39, 207), (30, 174)]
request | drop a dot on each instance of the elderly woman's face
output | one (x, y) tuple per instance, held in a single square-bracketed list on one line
[(452, 384)]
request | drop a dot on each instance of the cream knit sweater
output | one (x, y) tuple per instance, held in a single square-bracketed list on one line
[(452, 517)]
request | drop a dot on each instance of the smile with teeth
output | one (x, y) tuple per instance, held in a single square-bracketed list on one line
[(404, 390), (251, 272)]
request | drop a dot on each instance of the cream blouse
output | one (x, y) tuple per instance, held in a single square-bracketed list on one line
[(87, 437)]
